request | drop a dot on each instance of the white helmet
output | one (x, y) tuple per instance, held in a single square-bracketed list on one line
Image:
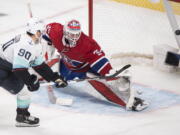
[(72, 32), (33, 25)]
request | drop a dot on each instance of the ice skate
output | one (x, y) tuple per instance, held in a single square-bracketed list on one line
[(26, 120), (139, 104)]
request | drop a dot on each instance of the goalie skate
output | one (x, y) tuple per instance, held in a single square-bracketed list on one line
[(135, 103), (26, 121), (138, 105)]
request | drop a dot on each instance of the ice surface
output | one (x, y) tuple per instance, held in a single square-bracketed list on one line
[(90, 115)]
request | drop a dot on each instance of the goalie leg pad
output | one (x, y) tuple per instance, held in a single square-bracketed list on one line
[(107, 92), (119, 91)]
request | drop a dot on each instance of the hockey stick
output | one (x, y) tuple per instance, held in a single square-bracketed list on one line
[(56, 100), (29, 10), (105, 77), (53, 99), (95, 78), (113, 75), (51, 96)]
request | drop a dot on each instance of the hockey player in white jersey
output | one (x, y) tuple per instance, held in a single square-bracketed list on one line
[(16, 57)]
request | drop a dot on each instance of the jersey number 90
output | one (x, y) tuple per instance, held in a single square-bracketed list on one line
[(24, 53)]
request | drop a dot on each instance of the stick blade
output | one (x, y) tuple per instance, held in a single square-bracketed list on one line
[(64, 101)]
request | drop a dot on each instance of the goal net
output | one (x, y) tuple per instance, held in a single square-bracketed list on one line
[(131, 28)]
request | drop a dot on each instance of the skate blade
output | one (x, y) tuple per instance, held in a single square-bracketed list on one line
[(19, 124), (141, 108)]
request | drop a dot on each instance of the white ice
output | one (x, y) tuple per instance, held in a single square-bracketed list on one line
[(118, 28)]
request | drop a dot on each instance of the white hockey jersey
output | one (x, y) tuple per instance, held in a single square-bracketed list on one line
[(22, 52)]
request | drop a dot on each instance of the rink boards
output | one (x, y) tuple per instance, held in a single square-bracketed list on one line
[(87, 100)]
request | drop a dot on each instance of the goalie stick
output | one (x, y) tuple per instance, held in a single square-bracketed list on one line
[(97, 77), (108, 77)]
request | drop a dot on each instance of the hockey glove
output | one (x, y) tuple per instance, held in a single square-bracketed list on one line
[(59, 81), (34, 83)]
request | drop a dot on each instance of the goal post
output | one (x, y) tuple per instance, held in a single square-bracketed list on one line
[(90, 7)]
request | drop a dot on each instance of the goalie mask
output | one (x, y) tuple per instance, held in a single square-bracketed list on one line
[(71, 33)]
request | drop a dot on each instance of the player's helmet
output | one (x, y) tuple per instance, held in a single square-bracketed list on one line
[(35, 25), (72, 32)]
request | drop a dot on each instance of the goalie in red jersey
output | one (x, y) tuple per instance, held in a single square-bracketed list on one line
[(79, 52), (79, 55)]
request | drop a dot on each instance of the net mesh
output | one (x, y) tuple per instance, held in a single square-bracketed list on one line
[(131, 28)]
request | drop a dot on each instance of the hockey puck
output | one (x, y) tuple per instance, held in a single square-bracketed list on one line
[(177, 32)]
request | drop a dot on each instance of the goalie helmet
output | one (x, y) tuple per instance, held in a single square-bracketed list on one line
[(71, 33), (34, 25)]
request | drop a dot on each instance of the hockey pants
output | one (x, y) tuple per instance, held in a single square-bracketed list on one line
[(8, 80)]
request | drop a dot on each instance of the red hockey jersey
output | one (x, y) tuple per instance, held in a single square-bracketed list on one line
[(86, 55)]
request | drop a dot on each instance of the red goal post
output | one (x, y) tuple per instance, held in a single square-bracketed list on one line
[(90, 7)]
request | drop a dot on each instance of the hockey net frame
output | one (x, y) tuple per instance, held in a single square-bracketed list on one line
[(134, 58)]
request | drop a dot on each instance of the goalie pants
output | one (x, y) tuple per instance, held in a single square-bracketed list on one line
[(70, 75), (8, 80)]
